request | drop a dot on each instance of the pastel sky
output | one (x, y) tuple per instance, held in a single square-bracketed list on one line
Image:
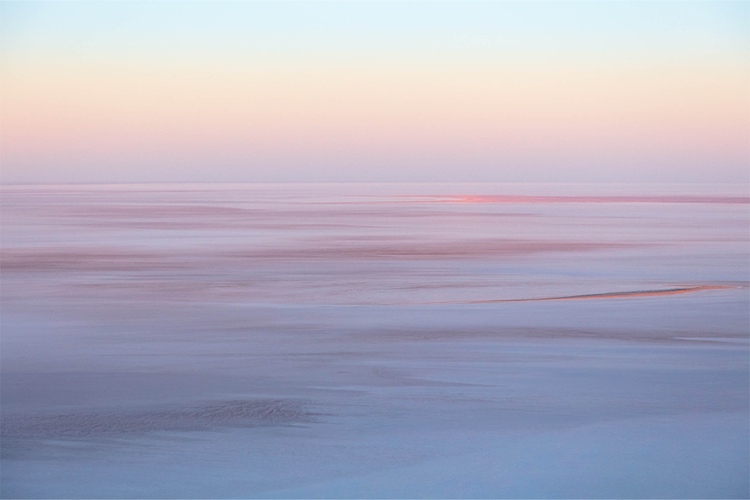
[(95, 92)]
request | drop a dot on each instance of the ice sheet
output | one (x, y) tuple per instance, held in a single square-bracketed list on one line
[(199, 341)]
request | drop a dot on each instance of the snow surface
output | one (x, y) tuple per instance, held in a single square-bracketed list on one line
[(310, 341)]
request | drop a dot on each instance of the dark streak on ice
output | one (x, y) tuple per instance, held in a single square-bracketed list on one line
[(255, 413)]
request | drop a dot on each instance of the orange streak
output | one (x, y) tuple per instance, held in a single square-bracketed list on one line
[(578, 199), (609, 295)]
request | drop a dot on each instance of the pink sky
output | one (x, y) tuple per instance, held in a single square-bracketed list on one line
[(129, 116)]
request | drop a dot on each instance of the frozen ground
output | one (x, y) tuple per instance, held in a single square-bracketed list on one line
[(308, 341)]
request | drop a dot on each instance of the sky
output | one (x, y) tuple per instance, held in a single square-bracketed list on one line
[(110, 92)]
